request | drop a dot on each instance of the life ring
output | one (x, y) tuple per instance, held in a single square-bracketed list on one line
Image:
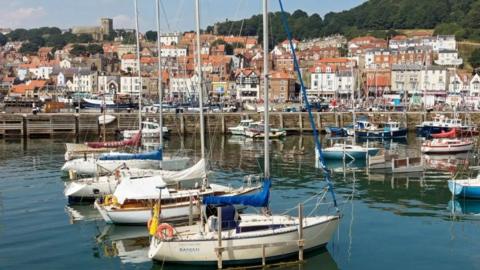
[(165, 231)]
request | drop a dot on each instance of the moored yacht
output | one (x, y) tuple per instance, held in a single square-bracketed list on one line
[(149, 130), (256, 131), (348, 151), (133, 200), (240, 129), (447, 146)]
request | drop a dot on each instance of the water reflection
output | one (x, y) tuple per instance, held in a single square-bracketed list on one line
[(464, 206), (128, 243), (411, 211), (319, 259), (77, 213)]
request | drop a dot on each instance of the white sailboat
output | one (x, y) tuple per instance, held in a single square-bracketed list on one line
[(149, 130), (133, 200), (89, 189), (107, 163), (229, 237)]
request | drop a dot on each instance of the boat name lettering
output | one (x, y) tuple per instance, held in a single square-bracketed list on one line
[(189, 249)]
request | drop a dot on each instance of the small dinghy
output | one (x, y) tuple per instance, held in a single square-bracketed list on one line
[(106, 119)]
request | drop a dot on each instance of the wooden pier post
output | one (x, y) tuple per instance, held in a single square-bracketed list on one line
[(24, 126), (280, 116), (224, 129), (300, 232), (219, 230), (182, 123), (300, 122), (77, 128)]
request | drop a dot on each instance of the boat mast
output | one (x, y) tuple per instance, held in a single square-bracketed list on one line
[(200, 79), (354, 82), (160, 75), (137, 32), (265, 89)]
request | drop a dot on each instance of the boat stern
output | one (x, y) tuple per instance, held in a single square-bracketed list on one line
[(454, 187)]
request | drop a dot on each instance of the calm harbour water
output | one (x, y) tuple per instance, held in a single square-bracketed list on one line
[(392, 222)]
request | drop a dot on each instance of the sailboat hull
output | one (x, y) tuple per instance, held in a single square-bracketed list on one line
[(382, 134), (89, 166), (141, 216), (335, 155), (465, 188), (316, 235)]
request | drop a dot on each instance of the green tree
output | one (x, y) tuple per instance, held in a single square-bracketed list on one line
[(151, 35), (29, 48), (129, 38), (78, 50), (475, 59), (18, 35), (3, 39), (56, 41), (69, 37), (84, 38), (94, 49)]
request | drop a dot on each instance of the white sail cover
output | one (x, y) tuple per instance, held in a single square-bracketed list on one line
[(141, 189), (197, 171)]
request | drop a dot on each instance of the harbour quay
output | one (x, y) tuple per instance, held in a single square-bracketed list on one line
[(73, 124)]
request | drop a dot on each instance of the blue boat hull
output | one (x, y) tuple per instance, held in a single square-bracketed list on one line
[(357, 155), (336, 131), (464, 191), (382, 134), (426, 131), (87, 105)]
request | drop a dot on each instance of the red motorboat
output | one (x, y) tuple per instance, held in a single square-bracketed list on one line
[(136, 140), (445, 134)]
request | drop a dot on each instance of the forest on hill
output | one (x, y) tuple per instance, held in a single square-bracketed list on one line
[(380, 18)]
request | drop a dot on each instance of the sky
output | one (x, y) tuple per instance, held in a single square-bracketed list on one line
[(177, 15)]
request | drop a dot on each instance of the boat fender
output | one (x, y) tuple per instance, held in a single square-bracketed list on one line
[(165, 231), (107, 200), (152, 224)]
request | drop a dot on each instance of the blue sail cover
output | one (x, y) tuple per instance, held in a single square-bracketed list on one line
[(154, 155), (259, 199)]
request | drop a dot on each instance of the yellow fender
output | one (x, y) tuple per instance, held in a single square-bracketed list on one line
[(153, 222)]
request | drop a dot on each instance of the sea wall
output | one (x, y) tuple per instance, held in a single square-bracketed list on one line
[(68, 124)]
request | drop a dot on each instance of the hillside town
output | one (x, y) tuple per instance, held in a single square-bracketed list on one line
[(415, 70)]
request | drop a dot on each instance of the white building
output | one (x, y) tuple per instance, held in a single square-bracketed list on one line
[(170, 38), (129, 85), (247, 85), (447, 42), (84, 81), (129, 63), (183, 86), (406, 78), (41, 72), (108, 84), (330, 82), (34, 72), (433, 84), (286, 45), (65, 63), (458, 84), (475, 85), (448, 58), (173, 51)]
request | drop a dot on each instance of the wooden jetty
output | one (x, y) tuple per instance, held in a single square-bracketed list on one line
[(71, 124)]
